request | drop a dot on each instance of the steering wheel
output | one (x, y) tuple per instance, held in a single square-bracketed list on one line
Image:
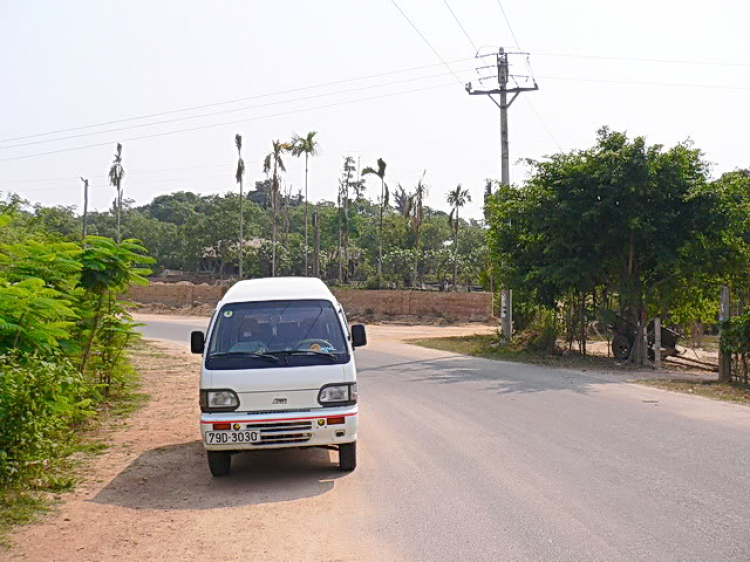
[(315, 344)]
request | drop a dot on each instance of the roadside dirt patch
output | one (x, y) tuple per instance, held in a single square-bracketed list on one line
[(151, 496)]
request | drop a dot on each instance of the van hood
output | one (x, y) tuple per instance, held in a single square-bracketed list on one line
[(285, 388)]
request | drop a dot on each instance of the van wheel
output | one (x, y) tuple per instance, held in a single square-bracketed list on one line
[(348, 456), (219, 462)]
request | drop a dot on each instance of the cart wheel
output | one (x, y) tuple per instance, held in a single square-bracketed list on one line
[(620, 347)]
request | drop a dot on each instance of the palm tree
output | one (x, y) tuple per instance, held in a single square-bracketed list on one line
[(274, 162), (309, 147), (418, 218), (240, 177), (116, 173), (456, 198), (347, 177), (403, 201), (380, 172)]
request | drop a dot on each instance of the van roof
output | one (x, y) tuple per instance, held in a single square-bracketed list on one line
[(278, 288)]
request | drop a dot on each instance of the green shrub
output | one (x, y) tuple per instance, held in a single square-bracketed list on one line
[(41, 400), (375, 282), (540, 335)]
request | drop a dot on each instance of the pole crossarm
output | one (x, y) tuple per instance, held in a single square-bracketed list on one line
[(516, 91)]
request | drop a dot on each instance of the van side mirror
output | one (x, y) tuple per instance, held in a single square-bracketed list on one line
[(197, 341), (359, 336)]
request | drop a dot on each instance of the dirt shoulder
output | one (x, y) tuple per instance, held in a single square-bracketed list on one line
[(486, 346), (151, 497)]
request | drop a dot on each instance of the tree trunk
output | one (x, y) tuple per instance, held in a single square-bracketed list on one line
[(582, 319), (380, 244), (307, 271), (119, 211), (416, 256), (340, 251), (316, 244), (274, 206), (87, 349), (455, 256), (85, 209), (242, 228)]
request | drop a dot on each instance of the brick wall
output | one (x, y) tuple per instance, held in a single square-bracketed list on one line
[(455, 306), (177, 294), (472, 307)]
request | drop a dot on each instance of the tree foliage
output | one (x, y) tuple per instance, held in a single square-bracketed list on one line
[(624, 219)]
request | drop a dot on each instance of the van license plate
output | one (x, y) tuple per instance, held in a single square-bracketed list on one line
[(231, 437)]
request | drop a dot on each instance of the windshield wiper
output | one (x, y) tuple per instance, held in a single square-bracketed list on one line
[(244, 354), (306, 352)]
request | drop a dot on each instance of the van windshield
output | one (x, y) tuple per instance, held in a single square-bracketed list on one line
[(276, 333)]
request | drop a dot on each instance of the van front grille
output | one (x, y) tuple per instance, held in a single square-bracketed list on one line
[(264, 412), (273, 433)]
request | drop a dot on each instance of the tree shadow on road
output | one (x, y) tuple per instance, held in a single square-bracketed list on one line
[(504, 377), (177, 477)]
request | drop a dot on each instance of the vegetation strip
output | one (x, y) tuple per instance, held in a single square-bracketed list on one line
[(64, 338), (725, 391)]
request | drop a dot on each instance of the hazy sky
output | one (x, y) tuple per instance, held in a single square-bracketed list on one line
[(72, 64)]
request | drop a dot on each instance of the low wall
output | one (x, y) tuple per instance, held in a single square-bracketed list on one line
[(471, 307), (177, 294)]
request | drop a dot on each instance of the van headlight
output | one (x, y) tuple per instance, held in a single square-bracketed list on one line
[(219, 401), (338, 394)]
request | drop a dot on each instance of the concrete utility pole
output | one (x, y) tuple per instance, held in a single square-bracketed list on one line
[(725, 367), (503, 75)]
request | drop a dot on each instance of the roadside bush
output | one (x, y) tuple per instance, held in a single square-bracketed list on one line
[(41, 400), (735, 341), (375, 282), (540, 335), (63, 336)]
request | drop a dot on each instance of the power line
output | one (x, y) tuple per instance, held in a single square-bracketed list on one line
[(455, 17), (641, 83), (510, 27), (426, 41), (229, 102), (544, 125), (222, 112), (635, 59), (215, 125), (531, 71)]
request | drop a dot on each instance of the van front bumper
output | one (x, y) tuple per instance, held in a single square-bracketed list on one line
[(282, 430)]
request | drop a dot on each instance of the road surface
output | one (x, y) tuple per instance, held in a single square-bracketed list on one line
[(465, 459)]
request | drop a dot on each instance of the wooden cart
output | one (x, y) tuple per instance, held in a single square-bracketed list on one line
[(626, 331)]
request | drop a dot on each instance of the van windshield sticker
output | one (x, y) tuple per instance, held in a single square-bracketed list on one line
[(228, 313)]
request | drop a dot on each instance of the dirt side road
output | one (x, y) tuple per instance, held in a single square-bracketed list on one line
[(151, 497)]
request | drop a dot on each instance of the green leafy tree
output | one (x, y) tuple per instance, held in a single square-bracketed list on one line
[(107, 269)]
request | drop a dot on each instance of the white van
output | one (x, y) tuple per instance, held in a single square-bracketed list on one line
[(278, 371)]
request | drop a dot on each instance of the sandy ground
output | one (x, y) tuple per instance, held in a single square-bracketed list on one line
[(151, 497)]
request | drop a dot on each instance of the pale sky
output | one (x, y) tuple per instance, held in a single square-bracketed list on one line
[(72, 64)]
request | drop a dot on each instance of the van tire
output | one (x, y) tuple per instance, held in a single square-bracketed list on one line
[(348, 456), (219, 462)]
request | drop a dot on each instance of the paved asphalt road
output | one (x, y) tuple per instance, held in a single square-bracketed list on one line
[(465, 459)]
